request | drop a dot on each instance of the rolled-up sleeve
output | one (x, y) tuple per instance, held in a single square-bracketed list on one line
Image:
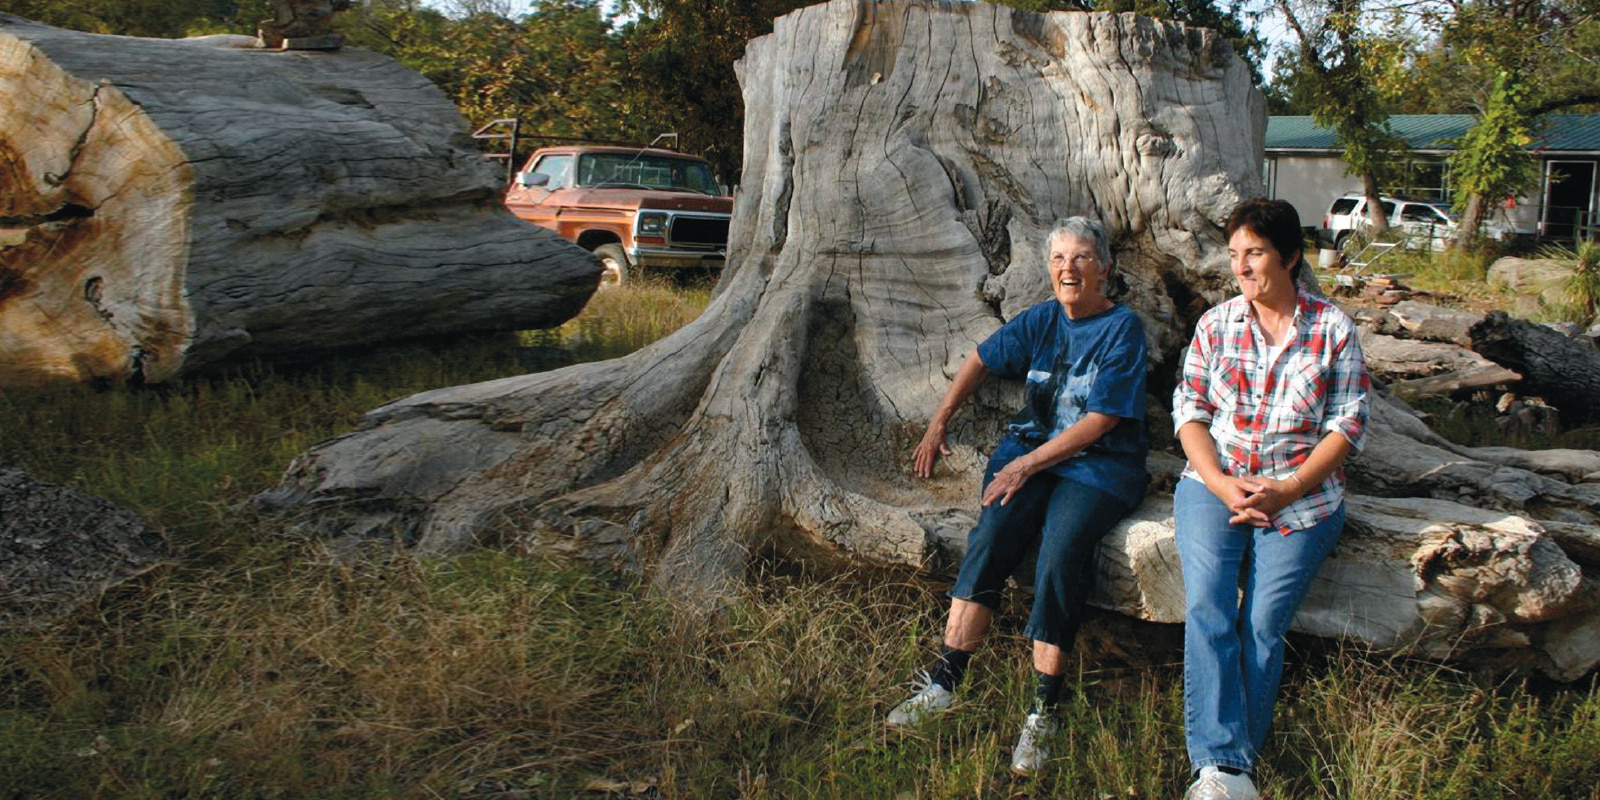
[(1191, 399), (1349, 390)]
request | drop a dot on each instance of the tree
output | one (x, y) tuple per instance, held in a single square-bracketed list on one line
[(165, 19), (906, 163), (1343, 66), (1203, 13), (681, 55), (1491, 162), (171, 215), (1524, 59)]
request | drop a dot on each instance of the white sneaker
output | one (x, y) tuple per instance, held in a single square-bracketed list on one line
[(929, 700), (1028, 758), (1214, 784)]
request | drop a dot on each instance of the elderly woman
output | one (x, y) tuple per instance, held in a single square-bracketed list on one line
[(1070, 466), (1272, 399)]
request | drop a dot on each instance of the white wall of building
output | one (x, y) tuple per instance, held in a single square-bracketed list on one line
[(1309, 183)]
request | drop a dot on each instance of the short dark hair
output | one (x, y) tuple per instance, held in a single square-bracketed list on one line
[(1277, 222)]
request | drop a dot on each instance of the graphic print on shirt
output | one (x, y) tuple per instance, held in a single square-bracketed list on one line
[(1071, 402)]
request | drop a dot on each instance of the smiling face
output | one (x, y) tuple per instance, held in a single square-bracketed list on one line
[(1263, 276), (1077, 276)]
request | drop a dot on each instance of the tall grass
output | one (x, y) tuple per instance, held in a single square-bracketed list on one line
[(1580, 292), (261, 668)]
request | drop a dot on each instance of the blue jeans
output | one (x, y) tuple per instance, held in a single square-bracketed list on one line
[(1242, 586), (1065, 520)]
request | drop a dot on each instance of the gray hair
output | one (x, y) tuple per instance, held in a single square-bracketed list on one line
[(1088, 230), (1085, 229)]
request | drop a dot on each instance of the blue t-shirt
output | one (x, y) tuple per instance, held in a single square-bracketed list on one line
[(1075, 366)]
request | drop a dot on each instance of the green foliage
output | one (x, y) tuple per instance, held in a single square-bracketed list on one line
[(155, 18), (680, 59), (1582, 287), (1491, 162), (560, 68)]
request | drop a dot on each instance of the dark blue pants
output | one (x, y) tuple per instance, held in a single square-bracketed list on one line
[(1065, 520)]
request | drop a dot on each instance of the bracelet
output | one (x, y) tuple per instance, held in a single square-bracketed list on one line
[(1295, 476)]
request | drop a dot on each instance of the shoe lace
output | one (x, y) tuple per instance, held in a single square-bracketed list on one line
[(921, 682)]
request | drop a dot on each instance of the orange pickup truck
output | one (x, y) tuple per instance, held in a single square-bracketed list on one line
[(633, 207)]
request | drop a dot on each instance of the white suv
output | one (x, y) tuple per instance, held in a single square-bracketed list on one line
[(1418, 224)]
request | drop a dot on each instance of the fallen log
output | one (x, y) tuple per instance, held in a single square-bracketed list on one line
[(1434, 323), (1468, 379), (167, 204), (1562, 370), (1390, 358), (1410, 576)]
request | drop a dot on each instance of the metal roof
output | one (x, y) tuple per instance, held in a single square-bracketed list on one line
[(1560, 132)]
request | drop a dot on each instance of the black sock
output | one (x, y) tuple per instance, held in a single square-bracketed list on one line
[(1229, 770), (1046, 692), (951, 667)]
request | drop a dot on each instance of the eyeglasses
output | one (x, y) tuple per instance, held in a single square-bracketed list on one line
[(1077, 260)]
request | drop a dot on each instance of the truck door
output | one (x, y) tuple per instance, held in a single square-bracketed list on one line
[(530, 192)]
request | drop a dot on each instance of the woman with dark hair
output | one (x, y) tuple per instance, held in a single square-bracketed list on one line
[(1069, 467), (1272, 400)]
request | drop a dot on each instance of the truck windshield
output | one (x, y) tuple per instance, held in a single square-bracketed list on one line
[(644, 172)]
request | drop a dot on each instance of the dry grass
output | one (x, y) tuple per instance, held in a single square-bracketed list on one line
[(262, 669)]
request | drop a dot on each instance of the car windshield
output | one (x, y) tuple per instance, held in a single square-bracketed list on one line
[(645, 172)]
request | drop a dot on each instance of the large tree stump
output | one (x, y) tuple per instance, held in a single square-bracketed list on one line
[(167, 204), (904, 162)]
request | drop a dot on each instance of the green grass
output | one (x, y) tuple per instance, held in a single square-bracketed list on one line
[(1580, 292), (258, 668)]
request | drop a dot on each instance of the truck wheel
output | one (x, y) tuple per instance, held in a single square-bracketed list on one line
[(615, 261)]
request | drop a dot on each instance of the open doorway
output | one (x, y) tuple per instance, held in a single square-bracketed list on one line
[(1568, 197)]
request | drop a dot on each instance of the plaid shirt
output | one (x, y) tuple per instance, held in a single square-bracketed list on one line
[(1266, 418)]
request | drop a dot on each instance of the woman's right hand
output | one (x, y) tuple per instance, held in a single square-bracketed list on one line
[(1235, 493), (928, 451)]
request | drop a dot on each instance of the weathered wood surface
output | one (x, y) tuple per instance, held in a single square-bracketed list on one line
[(1467, 379), (1562, 370), (1433, 323), (168, 204), (1391, 358), (61, 548), (904, 162), (1410, 575)]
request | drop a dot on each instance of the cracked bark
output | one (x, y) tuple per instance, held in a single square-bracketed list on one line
[(896, 198), (781, 421), (165, 205)]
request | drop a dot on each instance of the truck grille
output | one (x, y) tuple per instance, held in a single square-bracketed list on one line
[(699, 230)]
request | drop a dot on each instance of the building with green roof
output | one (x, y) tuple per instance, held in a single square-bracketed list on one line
[(1302, 165)]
